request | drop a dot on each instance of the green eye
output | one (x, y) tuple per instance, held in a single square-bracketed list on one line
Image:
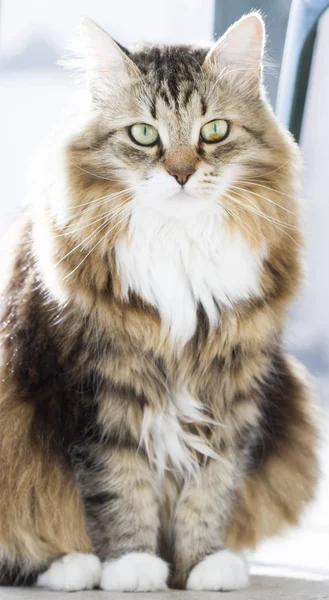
[(214, 131), (145, 135)]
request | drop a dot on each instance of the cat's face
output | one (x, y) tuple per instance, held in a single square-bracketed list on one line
[(179, 124), (178, 137), (184, 129)]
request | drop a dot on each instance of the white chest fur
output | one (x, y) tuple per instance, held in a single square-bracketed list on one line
[(176, 263)]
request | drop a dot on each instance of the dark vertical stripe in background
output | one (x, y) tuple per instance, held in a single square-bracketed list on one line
[(276, 14)]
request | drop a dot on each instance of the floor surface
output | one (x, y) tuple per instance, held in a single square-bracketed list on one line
[(261, 588)]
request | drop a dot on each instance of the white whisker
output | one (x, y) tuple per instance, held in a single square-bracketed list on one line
[(242, 223), (95, 246), (264, 198), (90, 236), (270, 172), (101, 199), (260, 212), (92, 174), (251, 182), (76, 227)]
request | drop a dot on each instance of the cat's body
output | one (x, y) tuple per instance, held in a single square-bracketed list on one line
[(146, 406)]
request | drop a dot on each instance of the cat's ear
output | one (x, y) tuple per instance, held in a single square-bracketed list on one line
[(100, 58), (240, 50)]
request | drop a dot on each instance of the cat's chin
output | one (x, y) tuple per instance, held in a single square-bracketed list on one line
[(184, 204)]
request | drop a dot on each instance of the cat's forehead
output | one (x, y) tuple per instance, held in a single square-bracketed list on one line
[(172, 74), (173, 65)]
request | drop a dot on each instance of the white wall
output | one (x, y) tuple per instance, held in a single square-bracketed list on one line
[(170, 21)]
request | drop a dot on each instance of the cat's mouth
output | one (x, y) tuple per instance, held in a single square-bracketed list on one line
[(182, 195), (184, 203)]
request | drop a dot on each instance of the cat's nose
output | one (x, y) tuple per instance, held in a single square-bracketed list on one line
[(182, 175)]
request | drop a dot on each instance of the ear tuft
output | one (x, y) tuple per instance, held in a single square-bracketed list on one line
[(97, 55), (100, 51), (241, 47)]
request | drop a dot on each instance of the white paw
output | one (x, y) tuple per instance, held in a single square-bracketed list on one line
[(135, 572), (221, 571), (71, 573)]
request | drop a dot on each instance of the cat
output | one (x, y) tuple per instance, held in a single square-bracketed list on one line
[(152, 426)]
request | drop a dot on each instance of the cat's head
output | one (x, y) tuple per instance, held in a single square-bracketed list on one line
[(182, 129)]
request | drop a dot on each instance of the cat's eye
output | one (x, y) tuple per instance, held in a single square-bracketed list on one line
[(143, 134), (214, 131)]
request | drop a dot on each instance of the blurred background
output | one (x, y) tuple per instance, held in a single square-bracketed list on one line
[(33, 90)]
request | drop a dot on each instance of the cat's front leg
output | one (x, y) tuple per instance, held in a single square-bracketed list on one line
[(202, 562), (122, 517)]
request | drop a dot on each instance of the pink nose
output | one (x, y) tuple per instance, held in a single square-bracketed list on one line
[(181, 175)]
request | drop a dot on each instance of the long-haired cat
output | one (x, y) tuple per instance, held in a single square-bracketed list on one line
[(151, 426)]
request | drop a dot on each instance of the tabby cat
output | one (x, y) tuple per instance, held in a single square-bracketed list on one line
[(152, 428)]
